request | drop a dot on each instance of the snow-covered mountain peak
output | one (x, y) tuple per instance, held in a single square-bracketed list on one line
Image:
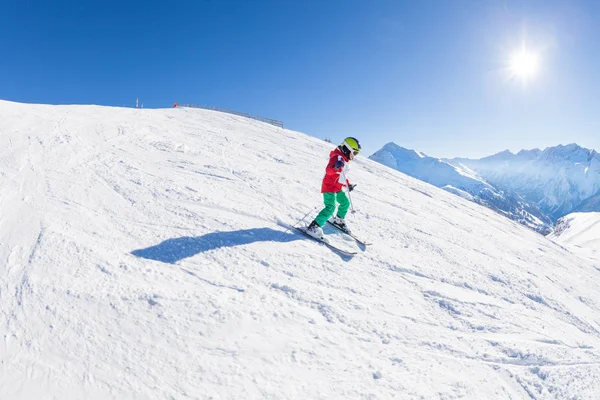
[(147, 254), (558, 180), (460, 179), (568, 154), (529, 154), (501, 156), (402, 154)]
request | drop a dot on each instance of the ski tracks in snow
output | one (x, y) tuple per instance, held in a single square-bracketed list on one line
[(448, 303)]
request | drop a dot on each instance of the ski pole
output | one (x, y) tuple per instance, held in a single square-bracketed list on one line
[(302, 219), (348, 190), (352, 210)]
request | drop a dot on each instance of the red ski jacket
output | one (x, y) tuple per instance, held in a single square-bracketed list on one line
[(335, 179)]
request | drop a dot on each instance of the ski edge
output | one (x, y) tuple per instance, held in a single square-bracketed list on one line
[(323, 242), (349, 234)]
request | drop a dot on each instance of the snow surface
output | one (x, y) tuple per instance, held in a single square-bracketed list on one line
[(580, 230), (145, 254)]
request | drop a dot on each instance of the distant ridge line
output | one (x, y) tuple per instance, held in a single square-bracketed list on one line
[(256, 117)]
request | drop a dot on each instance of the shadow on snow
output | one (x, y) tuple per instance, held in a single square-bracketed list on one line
[(173, 250)]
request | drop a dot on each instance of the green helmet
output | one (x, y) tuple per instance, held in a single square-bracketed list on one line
[(351, 145)]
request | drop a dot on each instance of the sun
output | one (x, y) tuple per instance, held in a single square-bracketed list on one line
[(523, 64)]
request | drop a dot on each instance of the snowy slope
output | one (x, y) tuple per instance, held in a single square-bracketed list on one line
[(144, 255), (580, 230), (462, 181)]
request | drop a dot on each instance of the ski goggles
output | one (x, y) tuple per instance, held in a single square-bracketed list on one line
[(352, 149)]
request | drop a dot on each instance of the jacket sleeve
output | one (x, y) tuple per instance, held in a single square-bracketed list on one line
[(344, 176)]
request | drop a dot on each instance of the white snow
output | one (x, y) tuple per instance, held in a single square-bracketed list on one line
[(144, 254), (560, 179), (458, 192), (581, 231)]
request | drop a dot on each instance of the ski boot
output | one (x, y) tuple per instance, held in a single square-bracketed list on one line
[(341, 223), (315, 230)]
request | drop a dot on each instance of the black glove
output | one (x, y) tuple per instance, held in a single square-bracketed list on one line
[(338, 164), (351, 187)]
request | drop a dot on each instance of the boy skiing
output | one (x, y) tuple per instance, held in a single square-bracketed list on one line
[(333, 182)]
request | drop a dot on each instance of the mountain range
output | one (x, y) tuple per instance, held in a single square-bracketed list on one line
[(533, 187)]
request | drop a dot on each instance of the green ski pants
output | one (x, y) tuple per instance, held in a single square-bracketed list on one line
[(330, 199)]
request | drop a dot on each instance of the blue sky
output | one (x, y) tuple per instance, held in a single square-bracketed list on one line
[(429, 75)]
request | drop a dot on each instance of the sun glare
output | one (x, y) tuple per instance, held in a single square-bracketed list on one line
[(523, 64)]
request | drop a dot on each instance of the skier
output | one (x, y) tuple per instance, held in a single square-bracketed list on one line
[(332, 188)]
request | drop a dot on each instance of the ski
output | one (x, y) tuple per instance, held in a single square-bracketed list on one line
[(326, 243), (349, 234)]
